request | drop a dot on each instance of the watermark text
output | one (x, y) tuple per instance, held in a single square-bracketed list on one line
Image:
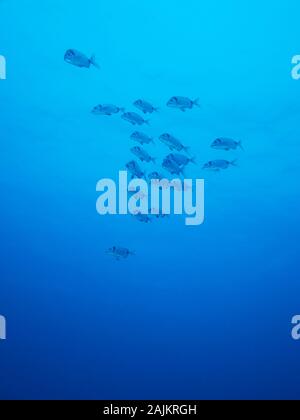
[(165, 197), (2, 328), (296, 328), (2, 67), (296, 67)]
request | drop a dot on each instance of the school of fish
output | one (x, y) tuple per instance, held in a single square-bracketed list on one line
[(173, 163)]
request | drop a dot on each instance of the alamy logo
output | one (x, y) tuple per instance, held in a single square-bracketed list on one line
[(296, 68), (2, 328), (296, 328), (2, 67), (161, 197)]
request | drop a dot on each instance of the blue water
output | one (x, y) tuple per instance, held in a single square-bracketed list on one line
[(198, 312)]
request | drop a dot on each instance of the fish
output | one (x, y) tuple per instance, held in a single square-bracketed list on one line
[(118, 252), (145, 107), (142, 154), (141, 138), (107, 109), (182, 103), (158, 213), (223, 143), (217, 165), (143, 218), (134, 119), (173, 143), (78, 59), (140, 195), (134, 169), (172, 167), (181, 160), (156, 178), (155, 175)]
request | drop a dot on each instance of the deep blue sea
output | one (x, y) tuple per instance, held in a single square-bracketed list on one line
[(198, 312)]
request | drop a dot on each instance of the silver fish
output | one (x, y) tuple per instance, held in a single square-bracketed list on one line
[(107, 109), (142, 154), (135, 170), (182, 103), (145, 107), (172, 167), (181, 160), (134, 119), (158, 213), (119, 253), (140, 195), (217, 165), (223, 143), (155, 175), (141, 138), (172, 143), (144, 218), (76, 58)]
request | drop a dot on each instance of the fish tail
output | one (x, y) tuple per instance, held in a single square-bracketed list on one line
[(152, 141), (240, 145), (94, 62), (196, 102), (234, 162), (154, 160), (147, 122), (156, 109), (122, 110), (193, 160)]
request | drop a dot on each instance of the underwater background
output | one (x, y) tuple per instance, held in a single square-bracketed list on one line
[(198, 312)]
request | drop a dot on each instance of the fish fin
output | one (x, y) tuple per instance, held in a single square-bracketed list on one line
[(234, 162), (196, 103), (94, 62), (240, 145)]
